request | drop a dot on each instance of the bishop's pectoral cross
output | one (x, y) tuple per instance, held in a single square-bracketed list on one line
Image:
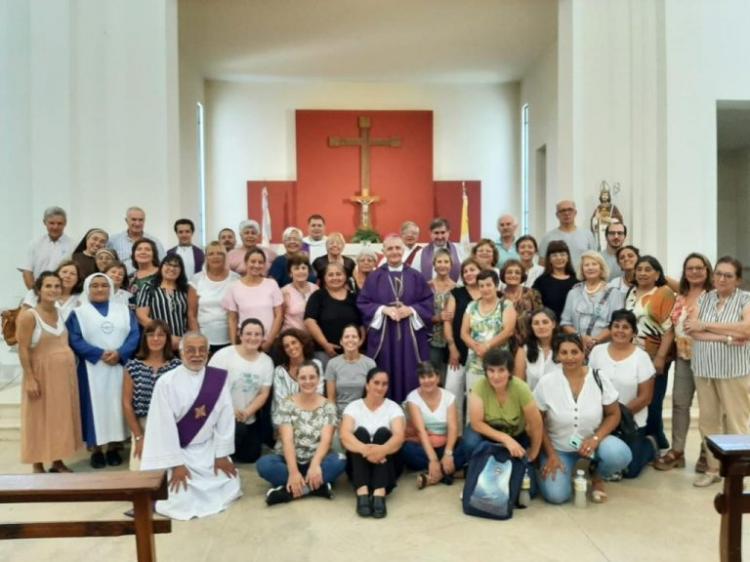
[(364, 142)]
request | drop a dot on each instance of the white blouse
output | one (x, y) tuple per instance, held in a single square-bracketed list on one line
[(624, 375), (539, 368), (566, 417)]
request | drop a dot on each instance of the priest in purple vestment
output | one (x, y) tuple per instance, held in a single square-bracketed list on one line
[(397, 308)]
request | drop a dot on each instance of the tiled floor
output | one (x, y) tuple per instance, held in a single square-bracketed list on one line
[(659, 517)]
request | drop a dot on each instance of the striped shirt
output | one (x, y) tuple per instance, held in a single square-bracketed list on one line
[(144, 379), (716, 359), (169, 306)]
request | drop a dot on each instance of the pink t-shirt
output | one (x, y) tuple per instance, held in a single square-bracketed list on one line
[(253, 302), (294, 305)]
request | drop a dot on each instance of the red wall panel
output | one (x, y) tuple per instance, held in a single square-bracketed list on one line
[(281, 202), (402, 176), (448, 203)]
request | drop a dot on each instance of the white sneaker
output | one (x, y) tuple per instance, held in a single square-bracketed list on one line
[(706, 479)]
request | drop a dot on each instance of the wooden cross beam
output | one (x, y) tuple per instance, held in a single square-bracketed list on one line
[(364, 142)]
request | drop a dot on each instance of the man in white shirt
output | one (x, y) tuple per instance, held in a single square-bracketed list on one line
[(316, 237), (440, 235), (45, 253), (191, 432), (192, 256), (578, 239), (122, 242)]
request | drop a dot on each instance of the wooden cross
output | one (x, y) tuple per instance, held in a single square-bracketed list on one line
[(364, 142)]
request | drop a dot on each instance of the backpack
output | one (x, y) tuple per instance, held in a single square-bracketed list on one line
[(493, 482)]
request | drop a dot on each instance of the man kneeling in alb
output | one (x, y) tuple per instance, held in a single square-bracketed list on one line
[(190, 431)]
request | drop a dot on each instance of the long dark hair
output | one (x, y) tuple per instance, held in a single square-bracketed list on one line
[(653, 262), (708, 284), (533, 345), (280, 356), (181, 282), (370, 374), (554, 247)]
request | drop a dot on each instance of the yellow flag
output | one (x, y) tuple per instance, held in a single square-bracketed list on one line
[(465, 220)]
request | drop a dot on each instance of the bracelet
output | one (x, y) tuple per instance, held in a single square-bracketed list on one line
[(138, 438), (595, 437), (729, 340), (448, 453)]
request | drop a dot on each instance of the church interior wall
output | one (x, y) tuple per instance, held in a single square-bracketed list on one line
[(733, 193), (707, 46), (539, 91), (94, 125), (250, 135)]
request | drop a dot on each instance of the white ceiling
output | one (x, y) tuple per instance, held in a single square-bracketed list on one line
[(486, 41)]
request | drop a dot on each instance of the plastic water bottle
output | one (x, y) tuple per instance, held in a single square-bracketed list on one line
[(580, 485), (524, 498)]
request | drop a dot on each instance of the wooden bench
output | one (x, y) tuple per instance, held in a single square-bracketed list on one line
[(140, 488), (733, 452)]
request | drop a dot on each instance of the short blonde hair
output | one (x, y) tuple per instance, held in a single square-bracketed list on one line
[(597, 257), (218, 245), (336, 236), (367, 252)]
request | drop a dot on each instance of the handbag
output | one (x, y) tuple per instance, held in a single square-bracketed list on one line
[(9, 325), (627, 429)]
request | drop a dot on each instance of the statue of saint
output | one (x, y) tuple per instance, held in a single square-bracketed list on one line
[(605, 214)]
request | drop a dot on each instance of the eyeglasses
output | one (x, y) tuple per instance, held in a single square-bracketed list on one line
[(616, 234), (723, 275), (566, 210)]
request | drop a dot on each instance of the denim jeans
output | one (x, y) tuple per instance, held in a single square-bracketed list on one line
[(612, 455), (655, 422), (643, 453), (273, 468), (415, 458)]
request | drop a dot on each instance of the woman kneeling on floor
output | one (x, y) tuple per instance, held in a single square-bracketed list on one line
[(303, 464), (502, 410), (372, 431), (432, 446), (579, 416)]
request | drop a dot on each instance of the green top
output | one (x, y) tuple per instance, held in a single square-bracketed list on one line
[(507, 417)]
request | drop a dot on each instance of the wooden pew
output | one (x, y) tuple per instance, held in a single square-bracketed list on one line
[(140, 488), (733, 452)]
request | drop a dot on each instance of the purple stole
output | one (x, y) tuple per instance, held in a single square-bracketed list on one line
[(198, 257), (192, 422), (413, 254), (425, 263)]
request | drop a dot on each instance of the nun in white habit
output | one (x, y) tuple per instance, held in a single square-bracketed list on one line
[(190, 431), (104, 336)]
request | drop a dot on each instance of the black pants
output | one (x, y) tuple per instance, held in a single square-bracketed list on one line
[(247, 442), (364, 473)]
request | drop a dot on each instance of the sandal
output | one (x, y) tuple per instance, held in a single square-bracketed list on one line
[(599, 496), (669, 461), (422, 480)]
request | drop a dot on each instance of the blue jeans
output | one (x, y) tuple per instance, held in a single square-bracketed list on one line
[(655, 421), (612, 455), (415, 458), (643, 453), (273, 468)]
